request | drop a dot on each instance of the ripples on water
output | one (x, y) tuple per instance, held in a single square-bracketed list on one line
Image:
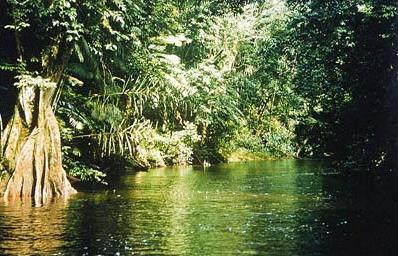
[(264, 208)]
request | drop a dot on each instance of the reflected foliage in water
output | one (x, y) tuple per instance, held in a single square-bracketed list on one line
[(263, 208)]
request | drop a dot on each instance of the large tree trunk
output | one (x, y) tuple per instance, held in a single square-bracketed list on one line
[(31, 140), (32, 147)]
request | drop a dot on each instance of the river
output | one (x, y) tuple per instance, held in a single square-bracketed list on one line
[(259, 208)]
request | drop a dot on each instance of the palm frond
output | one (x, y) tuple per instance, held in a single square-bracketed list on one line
[(122, 138)]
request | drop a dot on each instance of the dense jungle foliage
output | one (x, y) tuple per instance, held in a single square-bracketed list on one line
[(155, 82)]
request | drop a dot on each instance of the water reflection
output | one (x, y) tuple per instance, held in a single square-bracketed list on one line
[(268, 208), (26, 229)]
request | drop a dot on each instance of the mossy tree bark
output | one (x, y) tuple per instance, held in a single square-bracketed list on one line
[(32, 142)]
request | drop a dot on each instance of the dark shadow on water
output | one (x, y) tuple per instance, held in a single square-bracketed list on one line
[(368, 204)]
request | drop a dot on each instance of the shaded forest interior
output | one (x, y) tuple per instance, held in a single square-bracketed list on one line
[(155, 83)]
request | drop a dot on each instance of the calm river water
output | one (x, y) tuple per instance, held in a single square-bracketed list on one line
[(259, 208)]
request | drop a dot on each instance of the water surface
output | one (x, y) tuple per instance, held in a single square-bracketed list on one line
[(259, 208)]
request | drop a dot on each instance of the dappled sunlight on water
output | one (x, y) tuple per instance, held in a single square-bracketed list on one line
[(264, 208)]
